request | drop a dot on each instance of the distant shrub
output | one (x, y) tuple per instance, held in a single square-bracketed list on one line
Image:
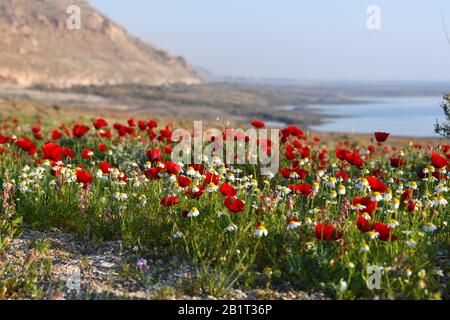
[(444, 128)]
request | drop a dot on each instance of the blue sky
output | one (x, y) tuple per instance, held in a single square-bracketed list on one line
[(296, 39)]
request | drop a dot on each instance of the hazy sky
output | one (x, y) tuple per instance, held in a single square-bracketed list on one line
[(298, 39)]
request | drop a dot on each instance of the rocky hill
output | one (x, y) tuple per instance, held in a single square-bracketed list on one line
[(37, 47)]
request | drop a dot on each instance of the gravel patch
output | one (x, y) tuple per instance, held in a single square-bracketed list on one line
[(82, 270)]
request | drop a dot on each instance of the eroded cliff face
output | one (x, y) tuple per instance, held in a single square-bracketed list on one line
[(36, 47)]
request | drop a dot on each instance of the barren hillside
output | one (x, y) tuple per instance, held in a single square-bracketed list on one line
[(38, 48)]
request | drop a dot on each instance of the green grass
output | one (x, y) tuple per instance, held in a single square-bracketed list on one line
[(234, 259)]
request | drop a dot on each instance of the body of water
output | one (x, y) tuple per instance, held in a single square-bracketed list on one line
[(406, 116)]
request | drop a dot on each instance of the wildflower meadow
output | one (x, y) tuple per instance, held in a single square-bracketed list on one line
[(362, 219)]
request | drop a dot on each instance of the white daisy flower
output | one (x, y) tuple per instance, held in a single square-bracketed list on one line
[(376, 196), (429, 227), (364, 248), (294, 224), (193, 213), (341, 190), (261, 231), (373, 234), (439, 201), (393, 223)]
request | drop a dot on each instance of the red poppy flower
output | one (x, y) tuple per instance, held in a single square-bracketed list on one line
[(106, 134), (343, 175), (377, 185), (440, 176), (227, 190), (384, 232), (131, 123), (183, 181), (152, 124), (234, 204), (381, 136), (153, 173), (197, 194), (290, 155), (26, 145), (173, 168), (52, 151), (198, 167), (258, 124), (327, 232), (102, 147), (297, 144), (151, 135), (79, 130), (285, 172), (84, 177), (86, 154), (305, 152), (291, 131), (38, 136), (100, 123), (411, 206), (105, 166), (68, 153), (370, 206), (397, 162), (354, 159), (342, 154), (211, 178), (167, 149), (36, 130), (56, 135), (4, 140), (445, 148), (363, 224), (406, 195), (438, 161), (324, 231), (303, 188), (298, 172), (124, 130), (290, 152), (142, 125), (165, 134), (170, 201), (121, 129), (154, 155)]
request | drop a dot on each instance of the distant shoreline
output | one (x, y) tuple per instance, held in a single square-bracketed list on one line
[(229, 102)]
